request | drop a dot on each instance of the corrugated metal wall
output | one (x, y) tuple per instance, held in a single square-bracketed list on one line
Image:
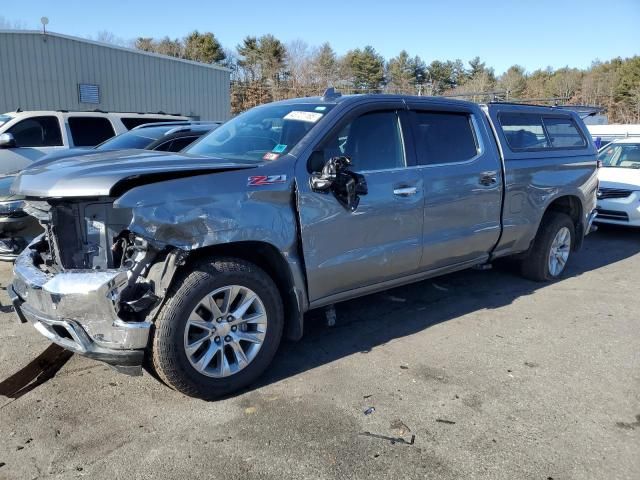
[(44, 75)]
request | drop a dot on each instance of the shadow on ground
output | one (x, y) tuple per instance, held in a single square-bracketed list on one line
[(36, 372), (363, 323)]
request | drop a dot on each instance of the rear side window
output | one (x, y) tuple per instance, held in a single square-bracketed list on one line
[(530, 131), (37, 132), (132, 122), (523, 131), (563, 133), (90, 131), (443, 137)]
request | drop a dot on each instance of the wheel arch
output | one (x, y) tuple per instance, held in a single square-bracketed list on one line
[(270, 259), (570, 205)]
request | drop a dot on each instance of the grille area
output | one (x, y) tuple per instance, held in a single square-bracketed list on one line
[(80, 234), (604, 193), (612, 215)]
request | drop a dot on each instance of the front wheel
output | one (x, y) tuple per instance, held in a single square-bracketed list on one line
[(551, 248), (218, 330)]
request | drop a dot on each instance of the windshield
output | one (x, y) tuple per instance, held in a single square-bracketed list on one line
[(5, 118), (624, 155), (134, 138), (262, 133)]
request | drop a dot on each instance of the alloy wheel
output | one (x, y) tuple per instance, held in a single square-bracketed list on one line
[(559, 252), (225, 331)]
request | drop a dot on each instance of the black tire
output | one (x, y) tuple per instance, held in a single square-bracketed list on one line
[(536, 264), (168, 358)]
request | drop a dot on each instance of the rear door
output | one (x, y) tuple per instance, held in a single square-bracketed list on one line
[(382, 239), (89, 131), (462, 184)]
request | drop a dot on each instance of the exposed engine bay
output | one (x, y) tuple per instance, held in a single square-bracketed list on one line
[(89, 234)]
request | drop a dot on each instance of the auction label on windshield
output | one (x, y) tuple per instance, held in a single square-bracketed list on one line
[(270, 156), (311, 117)]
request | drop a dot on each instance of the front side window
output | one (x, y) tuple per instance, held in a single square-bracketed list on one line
[(444, 137), (624, 155), (263, 133), (373, 141), (37, 132), (90, 131)]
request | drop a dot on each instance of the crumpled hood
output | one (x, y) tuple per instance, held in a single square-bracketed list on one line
[(617, 177), (97, 174)]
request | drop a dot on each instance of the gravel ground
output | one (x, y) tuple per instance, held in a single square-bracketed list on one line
[(472, 375)]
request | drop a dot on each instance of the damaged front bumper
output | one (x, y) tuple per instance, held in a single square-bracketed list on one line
[(77, 309)]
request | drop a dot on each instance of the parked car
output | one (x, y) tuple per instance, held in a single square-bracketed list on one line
[(619, 191), (25, 136), (200, 262), (163, 136), (17, 229), (605, 134)]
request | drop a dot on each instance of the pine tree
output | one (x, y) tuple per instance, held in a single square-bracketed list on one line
[(203, 47)]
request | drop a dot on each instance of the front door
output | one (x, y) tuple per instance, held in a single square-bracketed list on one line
[(382, 238), (35, 137)]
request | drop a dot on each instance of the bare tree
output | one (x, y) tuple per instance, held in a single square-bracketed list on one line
[(6, 24), (105, 36), (299, 66), (564, 83)]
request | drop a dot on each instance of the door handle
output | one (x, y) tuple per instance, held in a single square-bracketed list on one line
[(405, 191), (488, 178)]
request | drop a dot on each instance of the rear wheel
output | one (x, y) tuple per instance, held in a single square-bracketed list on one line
[(219, 329), (551, 248)]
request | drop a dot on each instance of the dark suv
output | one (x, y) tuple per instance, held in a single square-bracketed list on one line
[(165, 137)]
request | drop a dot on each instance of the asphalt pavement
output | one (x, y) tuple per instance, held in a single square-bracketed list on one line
[(471, 375)]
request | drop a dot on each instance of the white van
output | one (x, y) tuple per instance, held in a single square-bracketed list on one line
[(27, 136)]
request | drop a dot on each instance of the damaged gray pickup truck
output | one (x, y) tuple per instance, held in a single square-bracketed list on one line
[(194, 265)]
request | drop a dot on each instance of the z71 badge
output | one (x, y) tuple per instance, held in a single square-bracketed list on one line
[(260, 180)]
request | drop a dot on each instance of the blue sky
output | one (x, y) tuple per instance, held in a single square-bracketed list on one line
[(534, 33)]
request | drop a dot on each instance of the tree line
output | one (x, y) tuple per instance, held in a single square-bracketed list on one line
[(265, 69)]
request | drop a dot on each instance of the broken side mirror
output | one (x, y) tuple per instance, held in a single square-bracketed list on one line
[(346, 186)]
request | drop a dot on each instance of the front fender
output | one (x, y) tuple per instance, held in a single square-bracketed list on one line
[(200, 211), (223, 208)]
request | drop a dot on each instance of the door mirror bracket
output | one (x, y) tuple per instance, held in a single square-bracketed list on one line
[(336, 177)]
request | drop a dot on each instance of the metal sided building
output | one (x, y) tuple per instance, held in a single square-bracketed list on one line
[(50, 71)]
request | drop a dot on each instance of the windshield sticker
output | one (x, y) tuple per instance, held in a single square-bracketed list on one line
[(270, 156), (279, 148), (311, 117), (260, 180), (320, 109)]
